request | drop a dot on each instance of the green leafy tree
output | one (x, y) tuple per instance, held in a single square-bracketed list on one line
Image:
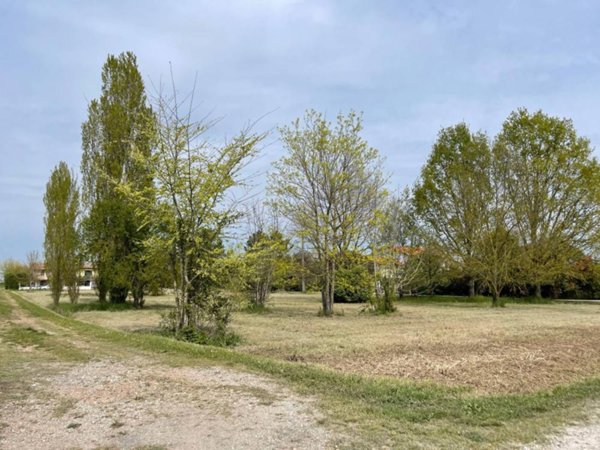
[(553, 184), (327, 186), (265, 259), (354, 281), (451, 196), (119, 123), (188, 209), (61, 241), (15, 274), (399, 248), (300, 273), (497, 257)]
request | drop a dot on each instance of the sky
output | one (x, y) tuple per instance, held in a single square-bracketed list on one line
[(411, 68)]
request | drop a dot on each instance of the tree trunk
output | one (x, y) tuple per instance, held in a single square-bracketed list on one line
[(137, 285), (328, 288), (494, 298), (73, 293), (56, 286), (137, 291), (118, 294), (55, 298), (538, 290), (303, 269), (471, 287), (102, 289)]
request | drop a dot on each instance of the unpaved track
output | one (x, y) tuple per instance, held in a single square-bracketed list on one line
[(129, 405), (135, 402), (584, 436)]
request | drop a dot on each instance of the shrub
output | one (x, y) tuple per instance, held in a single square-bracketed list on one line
[(383, 303), (207, 322), (191, 334), (353, 282), (15, 274)]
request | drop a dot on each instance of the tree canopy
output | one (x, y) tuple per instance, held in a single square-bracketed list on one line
[(328, 186), (119, 123), (62, 241)]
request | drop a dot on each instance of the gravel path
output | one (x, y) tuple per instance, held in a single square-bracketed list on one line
[(585, 436), (112, 404)]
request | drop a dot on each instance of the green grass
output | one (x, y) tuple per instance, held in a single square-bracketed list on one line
[(478, 300), (5, 308), (68, 309), (41, 340), (445, 299), (384, 411)]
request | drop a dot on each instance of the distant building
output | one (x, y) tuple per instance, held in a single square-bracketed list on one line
[(40, 278)]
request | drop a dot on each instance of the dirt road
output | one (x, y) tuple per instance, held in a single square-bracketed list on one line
[(124, 400)]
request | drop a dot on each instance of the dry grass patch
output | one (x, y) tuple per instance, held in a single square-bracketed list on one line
[(516, 349), (520, 348)]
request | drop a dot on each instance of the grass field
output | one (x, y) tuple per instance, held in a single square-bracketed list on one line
[(438, 372), (519, 348)]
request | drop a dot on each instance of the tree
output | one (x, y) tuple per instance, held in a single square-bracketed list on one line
[(15, 274), (497, 257), (61, 236), (265, 257), (353, 280), (553, 184), (188, 208), (450, 197), (399, 248), (33, 265), (266, 254), (118, 124), (328, 185)]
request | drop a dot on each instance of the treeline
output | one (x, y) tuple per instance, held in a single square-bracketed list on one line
[(514, 214), (519, 211)]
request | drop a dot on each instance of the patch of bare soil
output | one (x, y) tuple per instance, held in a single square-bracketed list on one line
[(112, 404)]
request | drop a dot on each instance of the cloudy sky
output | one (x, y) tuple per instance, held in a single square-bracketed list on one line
[(411, 67)]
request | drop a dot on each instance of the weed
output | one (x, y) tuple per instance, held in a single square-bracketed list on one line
[(63, 407)]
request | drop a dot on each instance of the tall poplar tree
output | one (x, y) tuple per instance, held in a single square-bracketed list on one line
[(61, 241), (119, 123)]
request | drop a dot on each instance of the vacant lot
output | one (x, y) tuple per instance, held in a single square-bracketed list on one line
[(519, 348), (70, 383)]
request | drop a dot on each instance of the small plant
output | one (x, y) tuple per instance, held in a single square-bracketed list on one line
[(382, 303), (206, 323), (196, 336), (256, 309)]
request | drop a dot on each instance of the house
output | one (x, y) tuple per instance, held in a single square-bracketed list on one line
[(40, 277)]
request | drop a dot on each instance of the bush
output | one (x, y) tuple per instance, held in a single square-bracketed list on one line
[(353, 282), (191, 334), (383, 304), (207, 324), (15, 274)]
